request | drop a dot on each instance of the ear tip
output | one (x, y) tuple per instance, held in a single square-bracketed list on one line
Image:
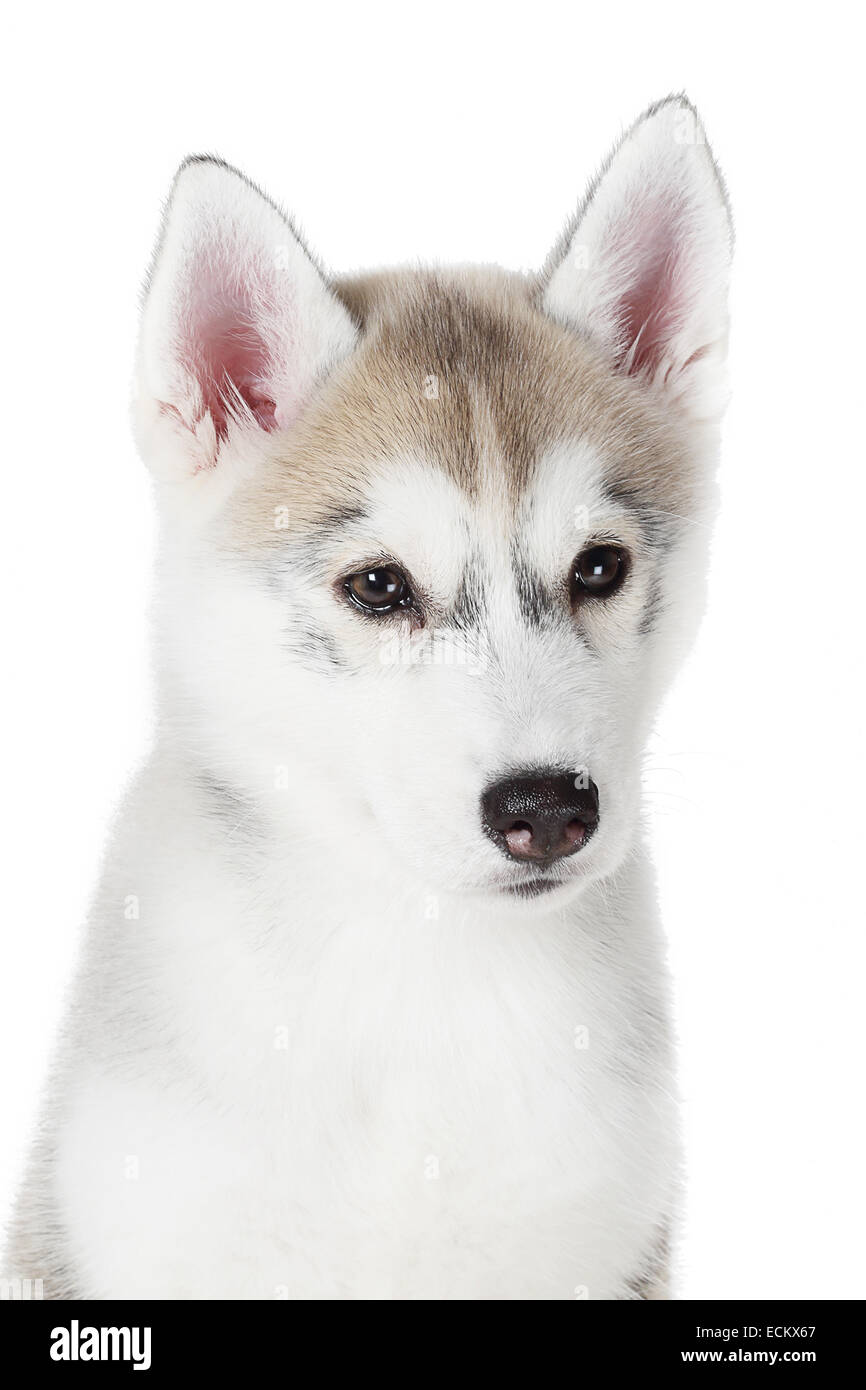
[(675, 118), (207, 186), (675, 112), (201, 171), (674, 101)]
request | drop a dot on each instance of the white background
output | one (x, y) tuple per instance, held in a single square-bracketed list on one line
[(467, 132)]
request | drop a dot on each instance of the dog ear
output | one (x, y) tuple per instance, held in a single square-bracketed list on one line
[(238, 326), (643, 268)]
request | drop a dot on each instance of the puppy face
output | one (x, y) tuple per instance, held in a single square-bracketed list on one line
[(432, 540)]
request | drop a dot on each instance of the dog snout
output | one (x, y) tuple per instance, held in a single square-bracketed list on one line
[(540, 815)]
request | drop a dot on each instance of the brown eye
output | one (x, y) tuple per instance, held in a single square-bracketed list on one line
[(598, 571), (378, 590)]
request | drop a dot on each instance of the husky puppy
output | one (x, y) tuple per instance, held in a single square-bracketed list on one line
[(373, 1003)]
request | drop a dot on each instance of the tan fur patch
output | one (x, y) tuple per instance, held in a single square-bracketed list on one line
[(462, 370)]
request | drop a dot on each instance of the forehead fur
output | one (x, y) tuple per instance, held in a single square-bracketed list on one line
[(463, 371)]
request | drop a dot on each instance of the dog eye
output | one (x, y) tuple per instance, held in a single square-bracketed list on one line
[(598, 571), (378, 590)]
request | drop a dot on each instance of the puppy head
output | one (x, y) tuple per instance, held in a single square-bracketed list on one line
[(432, 540)]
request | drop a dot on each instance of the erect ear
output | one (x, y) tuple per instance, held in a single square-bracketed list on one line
[(643, 268), (239, 323)]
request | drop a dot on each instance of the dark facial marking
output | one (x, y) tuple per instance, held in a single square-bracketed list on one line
[(540, 602), (314, 649), (659, 528), (470, 604), (336, 517), (652, 608)]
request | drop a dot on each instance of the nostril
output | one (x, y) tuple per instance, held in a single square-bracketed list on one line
[(518, 838), (519, 826), (575, 834)]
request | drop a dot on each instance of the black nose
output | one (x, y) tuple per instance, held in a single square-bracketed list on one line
[(541, 816)]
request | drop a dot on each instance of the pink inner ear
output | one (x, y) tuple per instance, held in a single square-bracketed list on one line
[(231, 362), (651, 310), (224, 350)]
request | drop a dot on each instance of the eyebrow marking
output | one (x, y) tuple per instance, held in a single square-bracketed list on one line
[(336, 517), (659, 527)]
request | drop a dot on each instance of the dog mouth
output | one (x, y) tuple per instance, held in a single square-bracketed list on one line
[(532, 887)]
